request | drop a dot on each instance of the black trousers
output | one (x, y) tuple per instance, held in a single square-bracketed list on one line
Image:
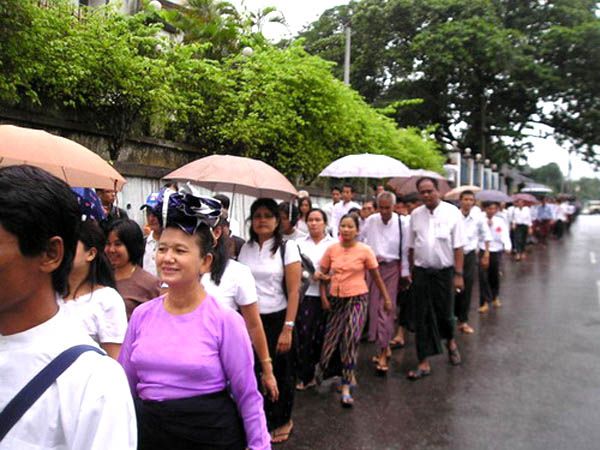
[(521, 237), (462, 301), (204, 422), (489, 279), (280, 412), (433, 291), (310, 326)]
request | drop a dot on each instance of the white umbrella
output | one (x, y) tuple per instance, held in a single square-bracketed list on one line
[(536, 188), (366, 165)]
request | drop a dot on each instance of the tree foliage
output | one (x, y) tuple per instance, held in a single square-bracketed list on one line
[(121, 75), (486, 69)]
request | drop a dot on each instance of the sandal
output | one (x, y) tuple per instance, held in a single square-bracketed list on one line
[(454, 356), (347, 401), (382, 371), (415, 375)]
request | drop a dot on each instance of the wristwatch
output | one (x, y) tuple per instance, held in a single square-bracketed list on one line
[(460, 274), (289, 323)]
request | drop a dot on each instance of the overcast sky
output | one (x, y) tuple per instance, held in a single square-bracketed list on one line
[(299, 13)]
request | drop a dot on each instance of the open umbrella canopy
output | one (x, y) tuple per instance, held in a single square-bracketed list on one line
[(527, 198), (536, 188), (236, 174), (63, 158), (492, 195), (365, 165), (454, 194), (406, 185)]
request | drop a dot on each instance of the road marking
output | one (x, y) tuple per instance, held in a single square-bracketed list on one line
[(593, 257), (598, 285)]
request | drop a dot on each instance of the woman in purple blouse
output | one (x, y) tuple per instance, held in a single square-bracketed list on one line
[(189, 360)]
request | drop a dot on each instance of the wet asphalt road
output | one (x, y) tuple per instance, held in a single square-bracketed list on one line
[(530, 377)]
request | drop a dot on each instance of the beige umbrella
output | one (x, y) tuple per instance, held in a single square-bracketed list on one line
[(64, 158), (226, 173), (454, 194), (408, 184)]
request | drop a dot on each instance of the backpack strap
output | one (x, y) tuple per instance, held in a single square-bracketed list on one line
[(33, 390)]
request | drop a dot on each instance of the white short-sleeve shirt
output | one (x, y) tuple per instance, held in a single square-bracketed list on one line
[(340, 209), (435, 234), (268, 272), (522, 216), (102, 314), (500, 233), (237, 287), (476, 230), (88, 407), (315, 251)]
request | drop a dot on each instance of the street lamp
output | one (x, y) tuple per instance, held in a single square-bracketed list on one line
[(247, 52)]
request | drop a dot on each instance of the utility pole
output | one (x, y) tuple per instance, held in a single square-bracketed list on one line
[(348, 30)]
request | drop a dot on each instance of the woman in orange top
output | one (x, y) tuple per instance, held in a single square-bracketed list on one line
[(347, 262)]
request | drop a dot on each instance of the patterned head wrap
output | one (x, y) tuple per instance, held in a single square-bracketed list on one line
[(186, 210), (89, 204)]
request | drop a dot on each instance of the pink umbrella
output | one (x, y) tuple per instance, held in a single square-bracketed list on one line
[(64, 158), (226, 173), (527, 198)]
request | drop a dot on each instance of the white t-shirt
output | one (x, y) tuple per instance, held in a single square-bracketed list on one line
[(315, 252), (268, 272), (149, 262), (435, 234), (102, 314), (88, 407), (237, 287)]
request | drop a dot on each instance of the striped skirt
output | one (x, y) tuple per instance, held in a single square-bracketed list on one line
[(343, 333)]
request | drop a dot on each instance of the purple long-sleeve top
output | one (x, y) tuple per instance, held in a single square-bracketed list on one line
[(168, 357)]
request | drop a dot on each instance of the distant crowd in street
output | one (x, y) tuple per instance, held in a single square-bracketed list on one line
[(182, 335)]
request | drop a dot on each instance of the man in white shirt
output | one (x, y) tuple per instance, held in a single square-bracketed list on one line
[(562, 218), (151, 241), (336, 197), (489, 276), (436, 242), (475, 231), (342, 208), (89, 406), (384, 233), (522, 226)]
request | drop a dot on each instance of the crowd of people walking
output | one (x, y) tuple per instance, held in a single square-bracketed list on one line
[(210, 338)]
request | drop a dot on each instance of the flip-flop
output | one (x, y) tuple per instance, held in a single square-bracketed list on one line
[(454, 356), (347, 401), (415, 375), (394, 344), (287, 436)]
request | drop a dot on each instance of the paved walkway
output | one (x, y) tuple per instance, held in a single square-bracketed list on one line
[(530, 377)]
